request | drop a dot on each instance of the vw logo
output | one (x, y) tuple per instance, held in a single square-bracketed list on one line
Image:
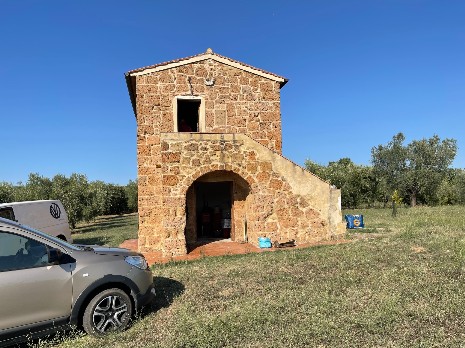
[(55, 210)]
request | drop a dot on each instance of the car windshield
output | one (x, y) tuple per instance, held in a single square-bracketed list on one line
[(53, 238)]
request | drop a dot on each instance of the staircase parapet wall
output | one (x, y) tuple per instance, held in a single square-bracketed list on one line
[(319, 194)]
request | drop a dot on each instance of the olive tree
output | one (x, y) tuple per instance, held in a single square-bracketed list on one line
[(415, 170), (6, 192), (357, 183), (73, 193), (452, 188), (132, 196)]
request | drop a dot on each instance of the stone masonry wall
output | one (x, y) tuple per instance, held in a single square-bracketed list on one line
[(237, 102), (273, 207)]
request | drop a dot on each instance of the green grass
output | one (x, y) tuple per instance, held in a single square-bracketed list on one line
[(107, 230), (399, 284)]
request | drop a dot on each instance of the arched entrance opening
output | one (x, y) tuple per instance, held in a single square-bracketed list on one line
[(216, 205)]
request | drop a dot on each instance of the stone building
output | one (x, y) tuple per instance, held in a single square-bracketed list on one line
[(209, 159)]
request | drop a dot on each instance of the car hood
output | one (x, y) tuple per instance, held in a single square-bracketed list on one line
[(113, 251), (102, 250)]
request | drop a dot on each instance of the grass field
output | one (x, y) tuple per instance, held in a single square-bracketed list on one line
[(107, 230), (399, 284)]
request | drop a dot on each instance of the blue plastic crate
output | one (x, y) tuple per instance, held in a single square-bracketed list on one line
[(354, 221), (264, 242)]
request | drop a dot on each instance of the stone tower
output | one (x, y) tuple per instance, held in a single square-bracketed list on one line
[(209, 159)]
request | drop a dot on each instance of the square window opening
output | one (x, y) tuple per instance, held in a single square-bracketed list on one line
[(188, 115)]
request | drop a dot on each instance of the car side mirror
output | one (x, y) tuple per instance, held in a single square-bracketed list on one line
[(55, 256)]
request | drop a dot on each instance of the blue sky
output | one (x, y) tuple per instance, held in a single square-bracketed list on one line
[(359, 72)]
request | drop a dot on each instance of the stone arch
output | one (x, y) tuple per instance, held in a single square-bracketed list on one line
[(209, 168), (216, 204)]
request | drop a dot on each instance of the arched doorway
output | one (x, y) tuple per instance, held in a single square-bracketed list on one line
[(216, 205)]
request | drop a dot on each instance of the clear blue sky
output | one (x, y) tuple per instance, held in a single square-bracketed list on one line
[(359, 72)]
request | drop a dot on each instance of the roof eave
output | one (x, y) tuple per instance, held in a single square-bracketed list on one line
[(206, 56), (132, 92)]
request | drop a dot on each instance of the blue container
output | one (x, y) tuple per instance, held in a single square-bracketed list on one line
[(264, 242), (354, 221)]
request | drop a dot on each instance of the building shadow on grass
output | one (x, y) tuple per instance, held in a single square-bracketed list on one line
[(166, 290)]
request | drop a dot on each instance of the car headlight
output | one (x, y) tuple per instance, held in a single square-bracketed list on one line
[(137, 261)]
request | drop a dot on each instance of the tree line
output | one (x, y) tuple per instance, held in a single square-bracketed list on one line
[(414, 173), (83, 200)]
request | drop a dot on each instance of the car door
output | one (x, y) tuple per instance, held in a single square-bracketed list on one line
[(32, 291)]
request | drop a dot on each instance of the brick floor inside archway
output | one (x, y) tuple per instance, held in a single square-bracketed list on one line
[(214, 248)]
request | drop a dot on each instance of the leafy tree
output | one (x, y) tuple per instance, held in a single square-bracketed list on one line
[(37, 188), (107, 199), (459, 184), (317, 169), (345, 175), (73, 193), (389, 164), (98, 196), (82, 200), (417, 169), (6, 192), (452, 188), (357, 183), (428, 162), (118, 201), (132, 196)]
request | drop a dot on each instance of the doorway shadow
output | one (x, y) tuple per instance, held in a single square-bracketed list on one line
[(204, 241)]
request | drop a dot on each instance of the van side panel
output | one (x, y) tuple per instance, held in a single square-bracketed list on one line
[(48, 216)]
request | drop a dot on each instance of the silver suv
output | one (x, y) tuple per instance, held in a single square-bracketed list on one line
[(47, 284)]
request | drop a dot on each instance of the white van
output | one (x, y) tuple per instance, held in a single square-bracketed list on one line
[(48, 216)]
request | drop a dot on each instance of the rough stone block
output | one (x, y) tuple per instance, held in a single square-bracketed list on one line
[(171, 157), (170, 180), (275, 184)]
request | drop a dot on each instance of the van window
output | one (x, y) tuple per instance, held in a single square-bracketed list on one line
[(7, 213)]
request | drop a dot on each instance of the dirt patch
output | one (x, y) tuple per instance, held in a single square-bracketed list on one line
[(418, 249)]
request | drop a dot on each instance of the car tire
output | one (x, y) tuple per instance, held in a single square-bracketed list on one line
[(109, 311)]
